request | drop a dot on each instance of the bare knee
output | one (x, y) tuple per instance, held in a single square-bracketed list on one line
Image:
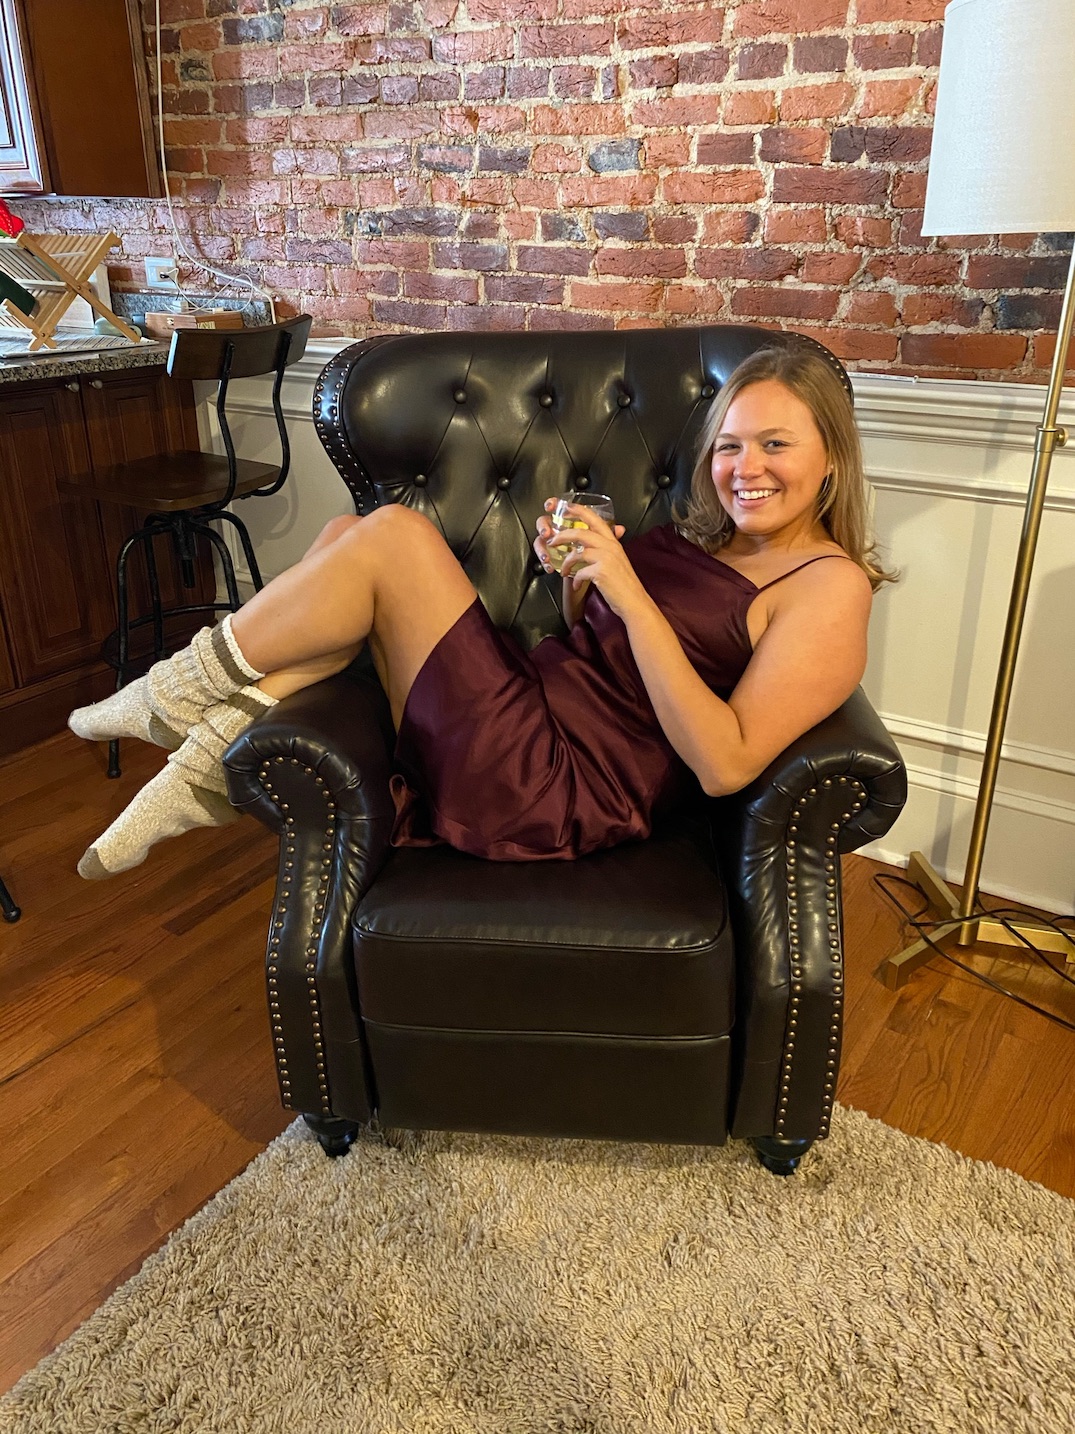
[(334, 529)]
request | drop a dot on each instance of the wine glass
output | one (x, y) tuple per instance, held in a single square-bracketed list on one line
[(600, 503)]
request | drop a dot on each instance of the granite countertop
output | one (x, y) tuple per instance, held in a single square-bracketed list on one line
[(25, 368)]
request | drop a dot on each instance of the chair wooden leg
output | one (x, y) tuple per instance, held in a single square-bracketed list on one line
[(335, 1135)]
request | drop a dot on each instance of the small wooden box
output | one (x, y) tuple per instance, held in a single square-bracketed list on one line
[(163, 326)]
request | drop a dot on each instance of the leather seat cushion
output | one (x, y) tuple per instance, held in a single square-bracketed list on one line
[(636, 943)]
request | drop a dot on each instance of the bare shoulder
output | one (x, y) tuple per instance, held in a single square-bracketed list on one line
[(839, 581)]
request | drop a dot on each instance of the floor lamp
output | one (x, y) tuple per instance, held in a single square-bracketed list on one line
[(1001, 162)]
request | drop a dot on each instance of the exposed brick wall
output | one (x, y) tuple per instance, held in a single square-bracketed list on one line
[(433, 164)]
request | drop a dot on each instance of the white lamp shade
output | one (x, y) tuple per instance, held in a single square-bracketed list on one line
[(1003, 154)]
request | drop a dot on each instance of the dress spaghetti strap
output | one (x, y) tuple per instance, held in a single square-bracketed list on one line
[(819, 559)]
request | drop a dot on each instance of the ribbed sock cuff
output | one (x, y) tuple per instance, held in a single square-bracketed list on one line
[(229, 654)]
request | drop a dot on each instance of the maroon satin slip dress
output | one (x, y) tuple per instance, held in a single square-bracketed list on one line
[(519, 756)]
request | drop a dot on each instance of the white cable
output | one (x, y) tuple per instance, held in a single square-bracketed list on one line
[(229, 280)]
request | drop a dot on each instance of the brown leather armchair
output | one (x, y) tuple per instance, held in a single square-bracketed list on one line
[(678, 989)]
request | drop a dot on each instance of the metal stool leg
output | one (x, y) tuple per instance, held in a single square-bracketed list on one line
[(248, 548), (226, 564), (10, 911), (123, 627)]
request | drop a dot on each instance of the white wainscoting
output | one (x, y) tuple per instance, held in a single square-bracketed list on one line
[(950, 464)]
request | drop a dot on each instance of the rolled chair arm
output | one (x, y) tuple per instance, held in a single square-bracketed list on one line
[(315, 770), (840, 785)]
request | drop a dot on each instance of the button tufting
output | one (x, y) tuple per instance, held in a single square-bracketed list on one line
[(664, 481), (504, 482), (460, 395), (708, 390), (420, 480), (624, 400), (538, 569), (582, 481), (545, 400)]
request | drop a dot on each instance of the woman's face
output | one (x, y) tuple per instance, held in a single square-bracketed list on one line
[(769, 462)]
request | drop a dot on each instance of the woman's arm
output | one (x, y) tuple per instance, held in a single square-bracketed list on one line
[(808, 661)]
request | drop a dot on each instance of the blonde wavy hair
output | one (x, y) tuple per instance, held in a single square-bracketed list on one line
[(815, 377)]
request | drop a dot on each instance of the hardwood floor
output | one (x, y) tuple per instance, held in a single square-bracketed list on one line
[(136, 1074)]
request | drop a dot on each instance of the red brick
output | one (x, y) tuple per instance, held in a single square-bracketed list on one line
[(1044, 350), (623, 297), (918, 309), (968, 351), (670, 30), (816, 101), (674, 228), (638, 262), (555, 159), (574, 81), (564, 41), (862, 231), (745, 263), (553, 259), (674, 112), (729, 226), (872, 308), (829, 186), (888, 97), (662, 150), (469, 317), (606, 119), (603, 191), (873, 12), (466, 46), (806, 145), (408, 50), (883, 52), (523, 289), (735, 148), (186, 161), (761, 62), (535, 194), (850, 345), (695, 299), (401, 124), (659, 73), (441, 286), (734, 186), (398, 253), (830, 268), (991, 271), (908, 191), (755, 107), (785, 302), (796, 226), (409, 314), (483, 11), (916, 268), (785, 17), (557, 319)]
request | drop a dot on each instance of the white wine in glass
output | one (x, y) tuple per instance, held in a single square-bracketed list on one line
[(562, 521)]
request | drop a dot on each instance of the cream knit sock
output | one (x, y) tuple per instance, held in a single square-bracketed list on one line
[(163, 705), (189, 792)]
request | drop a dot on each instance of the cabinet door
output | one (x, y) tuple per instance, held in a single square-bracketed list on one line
[(22, 166), (7, 671), (55, 583)]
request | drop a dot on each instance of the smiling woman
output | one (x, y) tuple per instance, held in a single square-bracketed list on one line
[(678, 664)]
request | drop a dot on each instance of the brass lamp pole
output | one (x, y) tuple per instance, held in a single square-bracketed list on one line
[(1005, 117)]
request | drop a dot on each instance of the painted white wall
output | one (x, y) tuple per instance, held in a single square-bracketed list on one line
[(950, 462)]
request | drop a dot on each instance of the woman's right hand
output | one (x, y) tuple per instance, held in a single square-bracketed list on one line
[(544, 533)]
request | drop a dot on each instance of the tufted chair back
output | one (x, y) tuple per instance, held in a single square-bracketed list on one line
[(495, 423)]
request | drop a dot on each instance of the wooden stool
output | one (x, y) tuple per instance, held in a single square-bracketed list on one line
[(182, 492)]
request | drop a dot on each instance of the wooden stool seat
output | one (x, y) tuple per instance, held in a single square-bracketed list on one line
[(172, 482)]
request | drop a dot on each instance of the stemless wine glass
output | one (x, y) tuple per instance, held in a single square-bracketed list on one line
[(562, 521)]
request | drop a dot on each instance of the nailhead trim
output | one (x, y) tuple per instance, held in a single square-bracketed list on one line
[(328, 391), (832, 911), (278, 916)]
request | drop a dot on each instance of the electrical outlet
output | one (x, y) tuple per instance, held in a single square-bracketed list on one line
[(161, 274)]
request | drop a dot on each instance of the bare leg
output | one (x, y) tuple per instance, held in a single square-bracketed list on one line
[(389, 577)]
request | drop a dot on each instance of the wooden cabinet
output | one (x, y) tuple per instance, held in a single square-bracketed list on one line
[(58, 550), (74, 99)]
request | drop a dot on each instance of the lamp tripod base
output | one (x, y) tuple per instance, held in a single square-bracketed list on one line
[(957, 930)]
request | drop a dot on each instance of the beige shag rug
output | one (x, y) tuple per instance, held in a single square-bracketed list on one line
[(458, 1284)]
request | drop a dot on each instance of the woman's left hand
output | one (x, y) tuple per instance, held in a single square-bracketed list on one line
[(595, 554)]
